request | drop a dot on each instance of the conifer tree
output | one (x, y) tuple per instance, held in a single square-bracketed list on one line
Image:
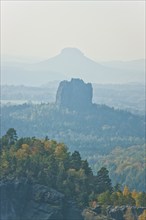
[(103, 182)]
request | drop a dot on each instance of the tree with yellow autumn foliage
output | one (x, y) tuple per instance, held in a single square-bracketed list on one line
[(142, 216)]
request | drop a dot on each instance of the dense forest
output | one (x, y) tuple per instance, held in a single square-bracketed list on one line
[(50, 163), (100, 135), (103, 122), (126, 165)]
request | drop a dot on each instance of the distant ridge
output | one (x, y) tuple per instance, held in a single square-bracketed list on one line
[(72, 63)]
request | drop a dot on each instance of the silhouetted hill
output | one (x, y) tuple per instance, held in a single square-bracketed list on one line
[(69, 63), (73, 63)]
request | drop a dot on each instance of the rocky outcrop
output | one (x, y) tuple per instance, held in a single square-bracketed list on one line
[(21, 200), (113, 213), (75, 95), (125, 212), (89, 214), (116, 212)]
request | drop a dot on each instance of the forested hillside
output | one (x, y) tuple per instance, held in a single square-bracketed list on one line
[(50, 163), (126, 165), (102, 129), (105, 136), (94, 133)]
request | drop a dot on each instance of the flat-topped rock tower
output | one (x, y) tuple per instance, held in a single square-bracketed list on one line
[(74, 95)]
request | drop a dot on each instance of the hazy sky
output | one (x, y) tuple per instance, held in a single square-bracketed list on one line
[(102, 30)]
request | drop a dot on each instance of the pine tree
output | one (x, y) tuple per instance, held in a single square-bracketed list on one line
[(103, 182), (75, 160)]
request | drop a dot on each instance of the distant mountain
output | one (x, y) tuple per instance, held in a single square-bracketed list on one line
[(71, 63)]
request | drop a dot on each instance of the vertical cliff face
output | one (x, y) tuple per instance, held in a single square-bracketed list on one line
[(14, 199), (75, 95), (21, 200)]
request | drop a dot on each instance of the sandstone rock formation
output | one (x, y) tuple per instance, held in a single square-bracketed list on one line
[(113, 213), (21, 200), (75, 95)]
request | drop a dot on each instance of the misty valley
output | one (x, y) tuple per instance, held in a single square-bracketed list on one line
[(71, 145), (91, 153), (98, 132)]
